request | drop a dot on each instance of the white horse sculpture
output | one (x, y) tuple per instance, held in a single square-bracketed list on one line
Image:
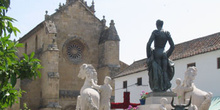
[(89, 97), (200, 99)]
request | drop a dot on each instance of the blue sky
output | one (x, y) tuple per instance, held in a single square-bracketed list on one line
[(134, 19)]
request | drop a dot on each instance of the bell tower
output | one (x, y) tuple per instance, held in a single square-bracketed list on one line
[(108, 51)]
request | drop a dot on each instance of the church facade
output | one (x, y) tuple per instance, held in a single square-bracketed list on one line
[(65, 40)]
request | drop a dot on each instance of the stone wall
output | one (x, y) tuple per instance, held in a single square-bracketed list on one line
[(77, 38)]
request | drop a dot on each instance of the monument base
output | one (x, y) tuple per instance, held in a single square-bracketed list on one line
[(152, 101), (50, 109)]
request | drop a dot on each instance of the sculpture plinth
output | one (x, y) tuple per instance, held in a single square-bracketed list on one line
[(50, 109), (153, 100)]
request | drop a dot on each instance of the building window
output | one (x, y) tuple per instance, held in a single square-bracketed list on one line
[(191, 64), (139, 81), (25, 51), (74, 51), (36, 43), (125, 84), (218, 63)]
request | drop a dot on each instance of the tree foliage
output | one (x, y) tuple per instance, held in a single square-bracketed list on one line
[(12, 67)]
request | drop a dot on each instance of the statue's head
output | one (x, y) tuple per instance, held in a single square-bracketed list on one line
[(163, 101), (82, 71), (191, 73), (87, 70), (107, 80), (178, 81), (159, 24)]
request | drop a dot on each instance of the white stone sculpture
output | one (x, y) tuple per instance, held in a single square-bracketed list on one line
[(207, 102), (89, 98), (180, 91), (51, 28), (163, 102), (105, 93), (200, 99), (192, 107)]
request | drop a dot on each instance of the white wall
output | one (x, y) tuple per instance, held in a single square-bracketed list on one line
[(134, 90), (207, 79), (208, 76)]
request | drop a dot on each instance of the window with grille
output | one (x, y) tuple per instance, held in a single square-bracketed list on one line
[(125, 84), (139, 81), (218, 63), (25, 51)]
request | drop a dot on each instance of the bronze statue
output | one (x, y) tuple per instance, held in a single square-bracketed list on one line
[(160, 68)]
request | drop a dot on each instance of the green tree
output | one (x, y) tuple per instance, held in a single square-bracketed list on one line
[(12, 67)]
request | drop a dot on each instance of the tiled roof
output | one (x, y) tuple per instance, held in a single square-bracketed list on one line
[(183, 50), (196, 46), (133, 68)]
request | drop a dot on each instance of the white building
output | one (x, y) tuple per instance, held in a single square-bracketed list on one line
[(204, 53)]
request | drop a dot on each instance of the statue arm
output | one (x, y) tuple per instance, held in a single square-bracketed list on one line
[(188, 89), (174, 90), (152, 37), (170, 40), (94, 85)]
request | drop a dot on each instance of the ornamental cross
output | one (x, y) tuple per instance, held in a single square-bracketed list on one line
[(125, 104)]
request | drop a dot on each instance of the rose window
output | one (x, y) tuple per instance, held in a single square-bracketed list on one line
[(74, 52)]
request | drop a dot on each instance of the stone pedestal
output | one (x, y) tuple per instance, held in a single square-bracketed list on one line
[(153, 100), (50, 109), (50, 79), (50, 75)]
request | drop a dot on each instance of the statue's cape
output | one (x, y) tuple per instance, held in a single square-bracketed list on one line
[(156, 76)]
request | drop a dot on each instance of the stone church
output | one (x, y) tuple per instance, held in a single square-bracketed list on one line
[(73, 35)]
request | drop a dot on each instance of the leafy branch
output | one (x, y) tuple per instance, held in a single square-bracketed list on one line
[(13, 68)]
